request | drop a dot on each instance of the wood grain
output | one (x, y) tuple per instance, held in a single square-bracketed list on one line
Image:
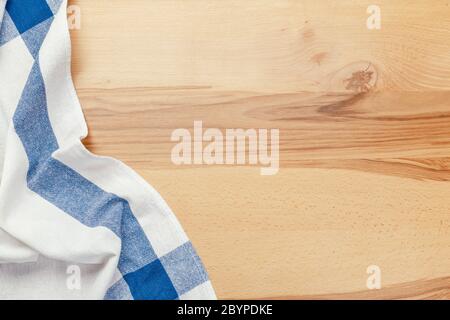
[(365, 168)]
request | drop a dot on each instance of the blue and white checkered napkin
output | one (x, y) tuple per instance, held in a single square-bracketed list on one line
[(74, 225)]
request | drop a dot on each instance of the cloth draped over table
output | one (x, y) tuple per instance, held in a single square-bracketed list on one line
[(73, 225)]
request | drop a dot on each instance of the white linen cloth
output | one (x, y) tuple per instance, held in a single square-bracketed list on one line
[(73, 225)]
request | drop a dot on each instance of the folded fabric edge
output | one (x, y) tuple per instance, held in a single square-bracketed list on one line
[(202, 290)]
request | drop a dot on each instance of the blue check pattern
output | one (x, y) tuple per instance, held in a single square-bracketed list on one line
[(145, 275)]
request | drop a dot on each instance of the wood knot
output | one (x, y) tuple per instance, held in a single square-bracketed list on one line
[(360, 81), (356, 77)]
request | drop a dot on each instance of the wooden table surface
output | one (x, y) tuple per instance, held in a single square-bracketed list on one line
[(365, 169)]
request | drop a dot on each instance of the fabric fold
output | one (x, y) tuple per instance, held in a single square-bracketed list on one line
[(60, 205)]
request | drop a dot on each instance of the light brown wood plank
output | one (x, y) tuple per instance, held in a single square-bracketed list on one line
[(263, 45), (423, 289), (309, 231), (390, 133)]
